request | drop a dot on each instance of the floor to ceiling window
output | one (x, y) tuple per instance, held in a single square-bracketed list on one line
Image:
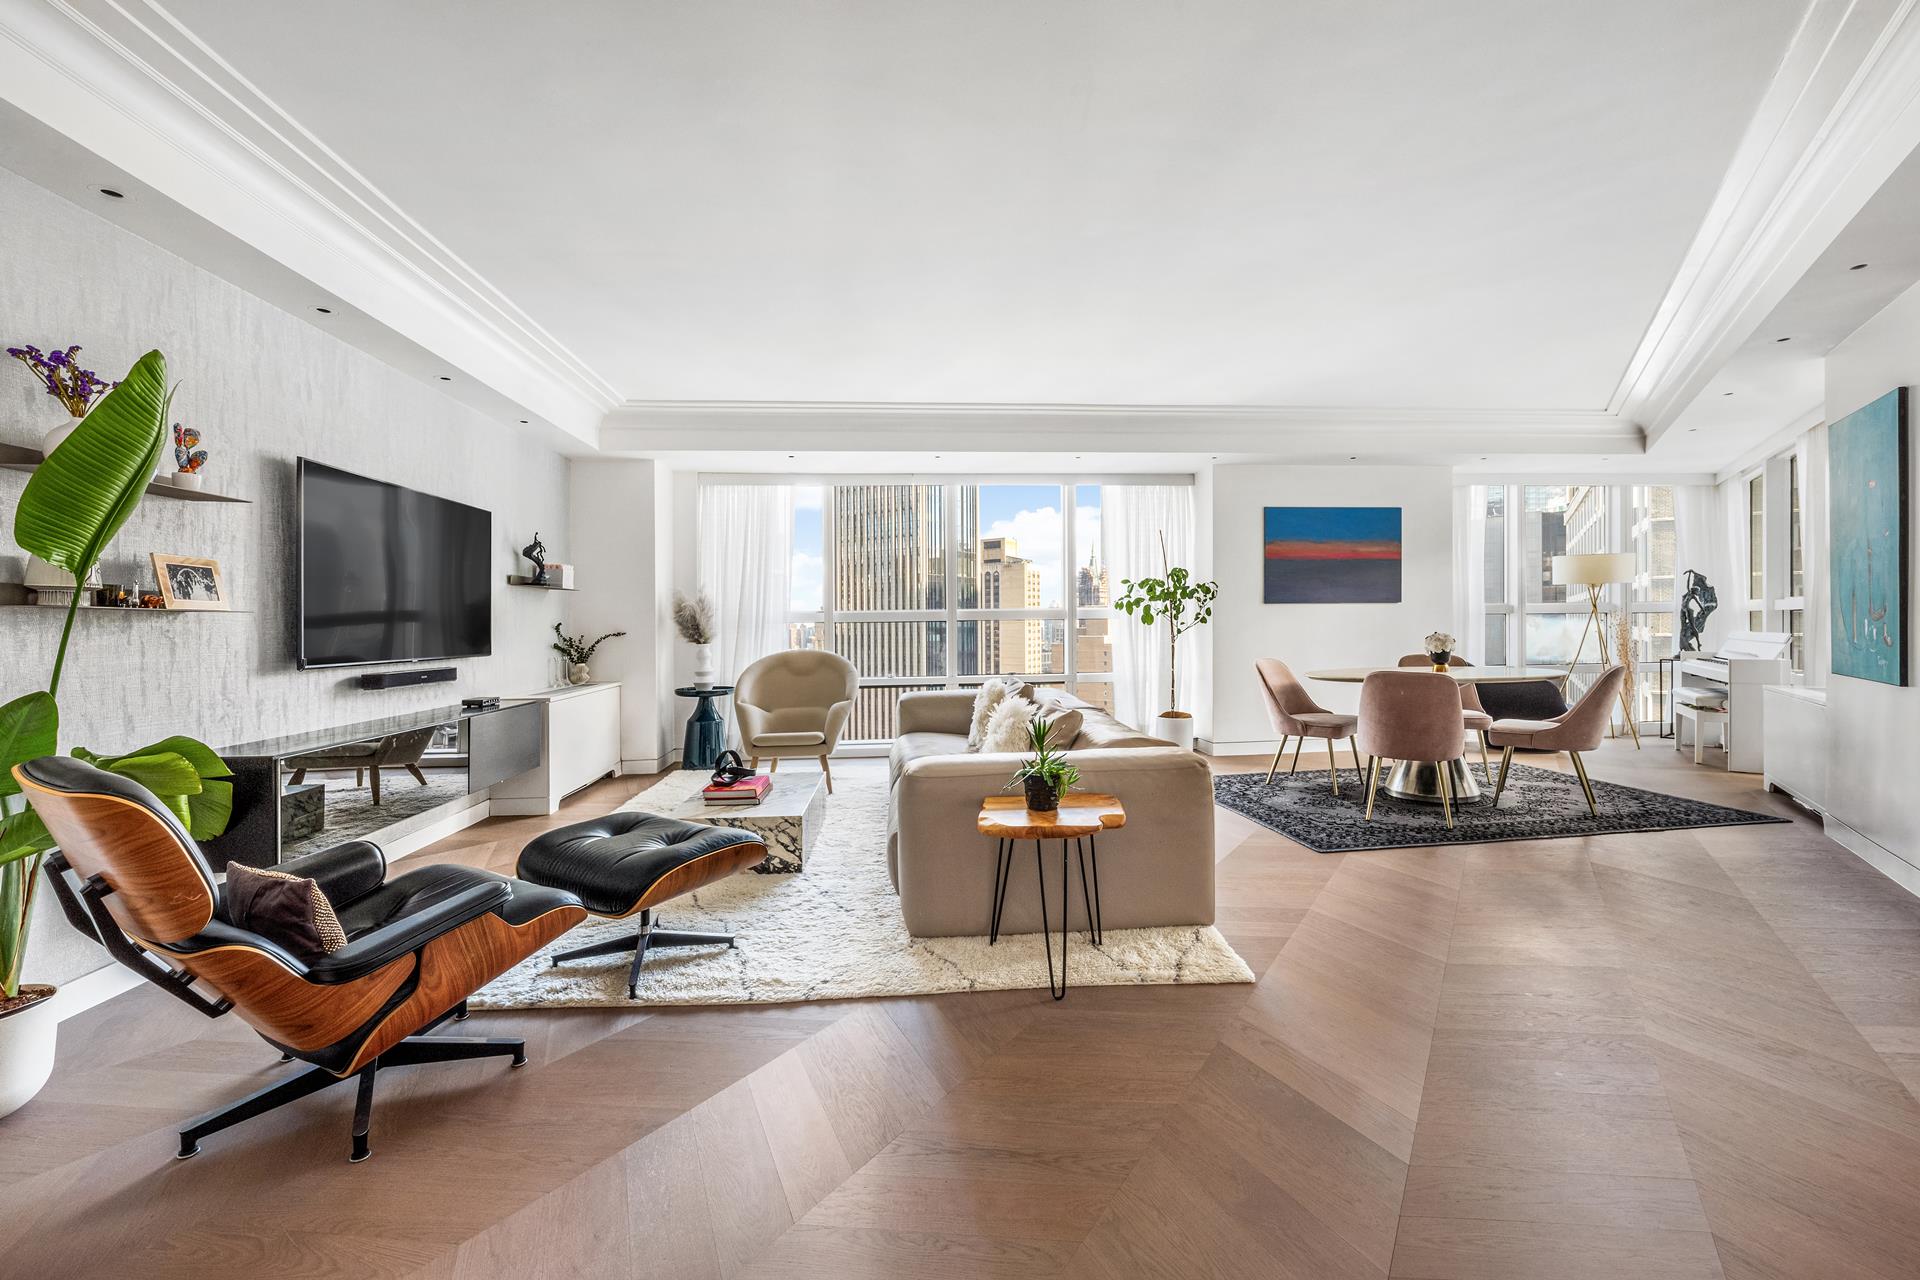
[(941, 585), (1532, 620)]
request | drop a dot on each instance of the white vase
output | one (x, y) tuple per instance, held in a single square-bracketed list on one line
[(27, 1038), (186, 479), (52, 440), (577, 673), (1176, 727), (703, 666)]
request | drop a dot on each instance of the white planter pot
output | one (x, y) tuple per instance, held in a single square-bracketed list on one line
[(703, 666), (577, 673), (51, 441), (1176, 727), (27, 1038), (186, 479)]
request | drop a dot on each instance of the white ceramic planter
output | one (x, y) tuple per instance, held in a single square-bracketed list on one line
[(1176, 727), (703, 666), (52, 440), (187, 479), (27, 1038)]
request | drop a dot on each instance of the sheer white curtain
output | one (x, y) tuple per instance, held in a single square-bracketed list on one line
[(746, 554), (1704, 529), (1470, 572), (1132, 519)]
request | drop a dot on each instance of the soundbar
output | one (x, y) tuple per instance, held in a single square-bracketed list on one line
[(402, 679)]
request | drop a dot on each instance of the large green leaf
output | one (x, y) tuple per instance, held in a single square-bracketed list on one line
[(79, 498), (204, 759), (166, 775), (22, 835), (29, 729), (211, 810)]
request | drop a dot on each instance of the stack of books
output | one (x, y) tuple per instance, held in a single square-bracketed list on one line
[(747, 791)]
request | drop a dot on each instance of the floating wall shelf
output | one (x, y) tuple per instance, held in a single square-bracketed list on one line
[(15, 457), (521, 580)]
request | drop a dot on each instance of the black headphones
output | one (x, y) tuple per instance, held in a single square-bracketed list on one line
[(729, 769)]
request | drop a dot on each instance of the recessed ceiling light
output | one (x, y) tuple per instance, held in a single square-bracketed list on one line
[(445, 378), (1726, 393), (112, 194), (523, 422), (1691, 430), (1858, 266), (1353, 457), (1783, 339), (325, 311)]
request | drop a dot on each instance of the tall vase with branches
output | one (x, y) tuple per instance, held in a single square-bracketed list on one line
[(1183, 602)]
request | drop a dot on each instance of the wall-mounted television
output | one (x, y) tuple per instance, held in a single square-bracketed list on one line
[(389, 574)]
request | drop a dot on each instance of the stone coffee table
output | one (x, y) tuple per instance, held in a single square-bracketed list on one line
[(788, 821)]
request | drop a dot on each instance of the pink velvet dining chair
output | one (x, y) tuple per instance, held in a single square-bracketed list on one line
[(1295, 715), (1579, 728), (1473, 716), (1411, 715)]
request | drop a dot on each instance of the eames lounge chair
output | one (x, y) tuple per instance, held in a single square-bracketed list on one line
[(130, 877), (1579, 728), (795, 704), (1411, 715), (1296, 715)]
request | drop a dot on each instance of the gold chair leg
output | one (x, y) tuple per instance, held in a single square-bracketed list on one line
[(1486, 768), (1354, 743), (1579, 767), (754, 764), (1506, 762), (1277, 753), (828, 772), (1446, 790), (774, 766), (1298, 743), (1333, 767), (1373, 783)]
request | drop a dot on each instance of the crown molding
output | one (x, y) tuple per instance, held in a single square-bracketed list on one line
[(129, 82), (1841, 114), (1290, 432)]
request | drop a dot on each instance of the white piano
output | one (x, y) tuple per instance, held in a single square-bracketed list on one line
[(1730, 684)]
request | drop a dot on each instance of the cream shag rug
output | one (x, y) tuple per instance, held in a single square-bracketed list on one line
[(834, 932)]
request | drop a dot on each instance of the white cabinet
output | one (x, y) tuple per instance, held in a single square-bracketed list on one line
[(580, 744), (1796, 744)]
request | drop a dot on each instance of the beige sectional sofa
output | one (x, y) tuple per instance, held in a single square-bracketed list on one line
[(1157, 870)]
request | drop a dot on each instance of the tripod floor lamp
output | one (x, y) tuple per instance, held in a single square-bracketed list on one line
[(1594, 571)]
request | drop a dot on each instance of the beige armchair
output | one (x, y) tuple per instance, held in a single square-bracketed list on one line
[(795, 704)]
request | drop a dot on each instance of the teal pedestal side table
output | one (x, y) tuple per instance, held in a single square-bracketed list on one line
[(706, 729)]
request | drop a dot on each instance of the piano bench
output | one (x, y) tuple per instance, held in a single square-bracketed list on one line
[(1701, 717)]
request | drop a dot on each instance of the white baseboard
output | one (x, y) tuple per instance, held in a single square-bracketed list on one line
[(654, 764), (1256, 747), (90, 989), (1879, 857)]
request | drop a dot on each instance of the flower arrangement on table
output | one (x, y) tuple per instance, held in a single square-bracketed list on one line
[(578, 651), (75, 388), (1440, 649)]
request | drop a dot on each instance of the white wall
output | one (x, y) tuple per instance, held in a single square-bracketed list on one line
[(263, 387), (1875, 728), (1310, 636)]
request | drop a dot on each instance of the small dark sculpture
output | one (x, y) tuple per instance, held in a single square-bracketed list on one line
[(536, 551), (1699, 601)]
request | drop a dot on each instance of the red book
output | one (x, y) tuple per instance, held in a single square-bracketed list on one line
[(746, 791)]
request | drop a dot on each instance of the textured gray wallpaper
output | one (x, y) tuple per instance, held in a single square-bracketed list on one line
[(263, 387)]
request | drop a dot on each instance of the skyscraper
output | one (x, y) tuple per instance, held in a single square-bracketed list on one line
[(1009, 581)]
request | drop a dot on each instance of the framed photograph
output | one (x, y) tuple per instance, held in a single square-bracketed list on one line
[(188, 582)]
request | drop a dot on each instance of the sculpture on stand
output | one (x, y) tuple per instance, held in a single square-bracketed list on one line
[(1696, 605), (536, 551)]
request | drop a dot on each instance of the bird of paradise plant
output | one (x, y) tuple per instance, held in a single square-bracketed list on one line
[(77, 500)]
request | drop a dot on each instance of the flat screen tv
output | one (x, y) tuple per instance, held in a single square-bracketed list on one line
[(390, 574)]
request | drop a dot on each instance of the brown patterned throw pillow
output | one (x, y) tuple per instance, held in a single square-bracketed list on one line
[(288, 909)]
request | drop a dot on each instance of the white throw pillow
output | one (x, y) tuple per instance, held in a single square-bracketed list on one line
[(1009, 726), (1063, 726), (990, 696)]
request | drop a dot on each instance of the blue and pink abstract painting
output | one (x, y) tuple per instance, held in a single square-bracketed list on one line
[(1867, 480), (1332, 555)]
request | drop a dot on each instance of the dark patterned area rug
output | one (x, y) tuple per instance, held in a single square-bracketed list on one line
[(1538, 804)]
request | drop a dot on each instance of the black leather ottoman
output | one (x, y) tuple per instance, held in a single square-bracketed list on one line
[(626, 864)]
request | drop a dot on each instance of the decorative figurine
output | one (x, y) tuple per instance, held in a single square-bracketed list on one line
[(1699, 601), (536, 551), (187, 460)]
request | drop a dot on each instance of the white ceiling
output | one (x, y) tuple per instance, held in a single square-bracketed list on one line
[(1242, 202)]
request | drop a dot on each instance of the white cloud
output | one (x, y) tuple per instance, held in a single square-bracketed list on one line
[(807, 585), (1039, 537)]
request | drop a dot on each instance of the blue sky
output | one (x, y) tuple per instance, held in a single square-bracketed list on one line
[(1029, 514)]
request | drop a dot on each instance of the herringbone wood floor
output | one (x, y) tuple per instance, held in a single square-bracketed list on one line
[(1673, 1055)]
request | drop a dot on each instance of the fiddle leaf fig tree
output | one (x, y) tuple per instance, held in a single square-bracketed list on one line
[(1177, 598), (77, 500)]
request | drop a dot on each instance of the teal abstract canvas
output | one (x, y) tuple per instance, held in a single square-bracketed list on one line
[(1867, 566)]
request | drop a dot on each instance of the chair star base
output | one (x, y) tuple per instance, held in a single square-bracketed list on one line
[(642, 942)]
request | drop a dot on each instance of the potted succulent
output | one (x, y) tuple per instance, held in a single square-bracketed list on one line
[(578, 652), (1439, 647), (693, 619), (1184, 603), (77, 389), (1047, 775), (70, 510)]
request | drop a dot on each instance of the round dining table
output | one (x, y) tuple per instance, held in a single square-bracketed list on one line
[(1419, 780)]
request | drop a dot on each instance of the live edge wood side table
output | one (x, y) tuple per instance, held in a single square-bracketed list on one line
[(1081, 817)]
